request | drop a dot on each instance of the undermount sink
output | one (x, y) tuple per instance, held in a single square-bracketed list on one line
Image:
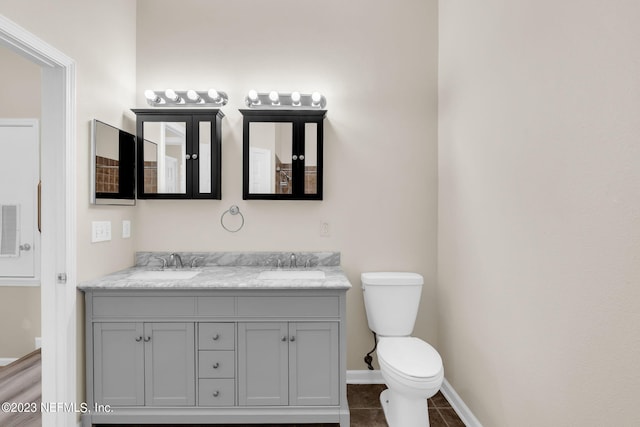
[(290, 274), (165, 275)]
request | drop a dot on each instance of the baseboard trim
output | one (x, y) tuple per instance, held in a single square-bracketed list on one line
[(458, 405), (4, 361), (364, 377)]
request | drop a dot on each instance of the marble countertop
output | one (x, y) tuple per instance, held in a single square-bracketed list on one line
[(219, 277)]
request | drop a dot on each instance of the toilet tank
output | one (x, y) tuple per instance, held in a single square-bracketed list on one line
[(391, 300)]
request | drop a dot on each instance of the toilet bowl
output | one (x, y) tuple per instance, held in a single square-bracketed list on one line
[(413, 372), (411, 368)]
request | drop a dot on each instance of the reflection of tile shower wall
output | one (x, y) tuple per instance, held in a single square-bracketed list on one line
[(284, 184), (150, 177), (310, 180), (283, 177), (106, 175)]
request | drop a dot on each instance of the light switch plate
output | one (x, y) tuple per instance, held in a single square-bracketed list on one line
[(126, 228), (100, 231)]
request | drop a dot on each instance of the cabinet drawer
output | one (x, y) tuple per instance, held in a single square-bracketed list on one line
[(216, 364), (289, 306), (137, 307), (216, 392), (216, 336)]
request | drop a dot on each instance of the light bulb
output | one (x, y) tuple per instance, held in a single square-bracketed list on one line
[(150, 95), (193, 95), (172, 95), (214, 95), (295, 98), (253, 97), (316, 97), (274, 97)]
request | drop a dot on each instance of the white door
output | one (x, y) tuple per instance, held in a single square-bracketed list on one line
[(19, 176), (260, 178)]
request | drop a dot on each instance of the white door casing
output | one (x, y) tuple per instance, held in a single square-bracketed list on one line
[(58, 238)]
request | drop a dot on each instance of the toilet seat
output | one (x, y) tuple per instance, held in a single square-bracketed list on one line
[(410, 358)]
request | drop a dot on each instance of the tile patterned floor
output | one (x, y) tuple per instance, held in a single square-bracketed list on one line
[(364, 405)]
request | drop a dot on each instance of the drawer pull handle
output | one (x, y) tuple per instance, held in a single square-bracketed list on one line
[(215, 337), (284, 338), (147, 339), (138, 339), (216, 365), (216, 393), (292, 339)]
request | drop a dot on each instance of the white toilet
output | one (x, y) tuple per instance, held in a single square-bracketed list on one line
[(411, 368)]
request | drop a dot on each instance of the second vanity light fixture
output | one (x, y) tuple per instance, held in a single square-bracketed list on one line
[(295, 100), (186, 98)]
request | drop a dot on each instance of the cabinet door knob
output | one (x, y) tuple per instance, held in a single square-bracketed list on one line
[(188, 156), (215, 365), (301, 156), (215, 337), (147, 339), (216, 393), (292, 339), (194, 156), (294, 157), (138, 339)]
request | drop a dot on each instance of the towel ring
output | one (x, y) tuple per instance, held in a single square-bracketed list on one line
[(233, 210)]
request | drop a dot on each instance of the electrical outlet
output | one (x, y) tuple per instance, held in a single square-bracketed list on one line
[(324, 229), (126, 228), (100, 231)]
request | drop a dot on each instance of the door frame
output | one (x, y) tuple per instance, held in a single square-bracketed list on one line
[(58, 213)]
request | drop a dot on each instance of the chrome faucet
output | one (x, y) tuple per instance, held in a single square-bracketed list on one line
[(292, 260), (177, 261)]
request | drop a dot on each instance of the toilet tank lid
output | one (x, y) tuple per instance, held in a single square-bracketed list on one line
[(391, 278)]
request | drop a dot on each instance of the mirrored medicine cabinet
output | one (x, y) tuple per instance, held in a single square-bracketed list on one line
[(282, 154), (113, 154), (179, 153)]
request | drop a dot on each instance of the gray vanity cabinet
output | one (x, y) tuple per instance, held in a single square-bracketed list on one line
[(138, 364), (216, 356), (294, 363)]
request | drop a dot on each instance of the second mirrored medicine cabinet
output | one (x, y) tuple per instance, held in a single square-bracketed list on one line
[(282, 154)]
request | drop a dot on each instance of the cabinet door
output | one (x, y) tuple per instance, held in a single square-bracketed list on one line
[(169, 364), (118, 364), (314, 363), (262, 364)]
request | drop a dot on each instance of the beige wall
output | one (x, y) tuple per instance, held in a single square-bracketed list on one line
[(539, 201), (381, 93), (19, 305), (100, 37), (376, 64)]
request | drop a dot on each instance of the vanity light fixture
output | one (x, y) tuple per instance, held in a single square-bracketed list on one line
[(186, 98), (295, 100)]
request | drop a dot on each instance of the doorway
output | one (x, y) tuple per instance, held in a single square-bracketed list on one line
[(58, 201)]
